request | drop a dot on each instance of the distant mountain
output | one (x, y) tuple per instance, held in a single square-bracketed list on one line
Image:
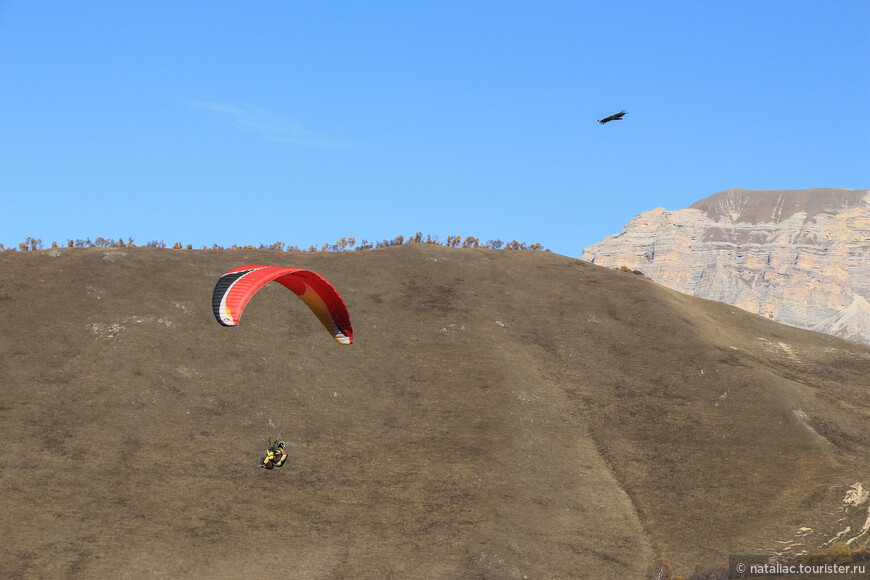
[(851, 323), (800, 257)]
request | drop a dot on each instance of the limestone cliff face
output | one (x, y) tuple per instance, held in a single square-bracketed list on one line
[(801, 257)]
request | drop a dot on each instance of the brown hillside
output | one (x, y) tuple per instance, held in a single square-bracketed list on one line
[(500, 415)]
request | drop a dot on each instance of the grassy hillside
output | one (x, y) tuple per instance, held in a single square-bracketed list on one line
[(500, 415)]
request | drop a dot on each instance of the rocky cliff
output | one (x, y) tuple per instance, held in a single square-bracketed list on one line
[(800, 257)]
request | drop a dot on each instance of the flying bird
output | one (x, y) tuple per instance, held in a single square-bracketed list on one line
[(617, 117)]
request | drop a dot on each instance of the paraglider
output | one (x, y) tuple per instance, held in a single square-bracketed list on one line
[(234, 290), (275, 456), (615, 117)]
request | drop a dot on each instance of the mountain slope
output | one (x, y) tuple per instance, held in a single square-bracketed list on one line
[(797, 256), (500, 414), (850, 323)]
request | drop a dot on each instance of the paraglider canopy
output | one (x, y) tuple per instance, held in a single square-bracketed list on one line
[(235, 288)]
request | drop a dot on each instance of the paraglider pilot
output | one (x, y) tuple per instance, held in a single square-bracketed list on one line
[(275, 456)]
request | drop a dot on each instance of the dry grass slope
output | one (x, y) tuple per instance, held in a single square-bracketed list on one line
[(500, 415)]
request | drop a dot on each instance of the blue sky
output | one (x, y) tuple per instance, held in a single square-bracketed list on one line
[(252, 122)]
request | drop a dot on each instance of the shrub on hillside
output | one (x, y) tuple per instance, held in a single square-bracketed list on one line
[(659, 569), (342, 245)]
